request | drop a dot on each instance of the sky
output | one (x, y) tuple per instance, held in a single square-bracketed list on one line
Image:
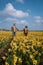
[(21, 13)]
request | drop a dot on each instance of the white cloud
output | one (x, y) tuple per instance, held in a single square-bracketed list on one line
[(10, 20), (16, 21), (24, 22), (28, 10), (9, 10), (21, 1), (38, 19)]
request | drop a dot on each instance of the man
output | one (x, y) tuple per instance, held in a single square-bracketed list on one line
[(26, 30), (14, 29)]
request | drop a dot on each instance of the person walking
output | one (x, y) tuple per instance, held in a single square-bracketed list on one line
[(14, 29), (26, 30)]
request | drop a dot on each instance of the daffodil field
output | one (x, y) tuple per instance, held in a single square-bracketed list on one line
[(21, 49)]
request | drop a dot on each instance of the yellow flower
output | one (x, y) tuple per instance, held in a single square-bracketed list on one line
[(31, 56), (39, 54), (9, 50), (6, 63), (34, 62), (4, 58), (20, 60)]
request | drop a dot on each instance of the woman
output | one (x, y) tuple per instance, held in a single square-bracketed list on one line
[(14, 29)]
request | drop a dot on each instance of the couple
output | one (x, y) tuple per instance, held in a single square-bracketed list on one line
[(14, 29)]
